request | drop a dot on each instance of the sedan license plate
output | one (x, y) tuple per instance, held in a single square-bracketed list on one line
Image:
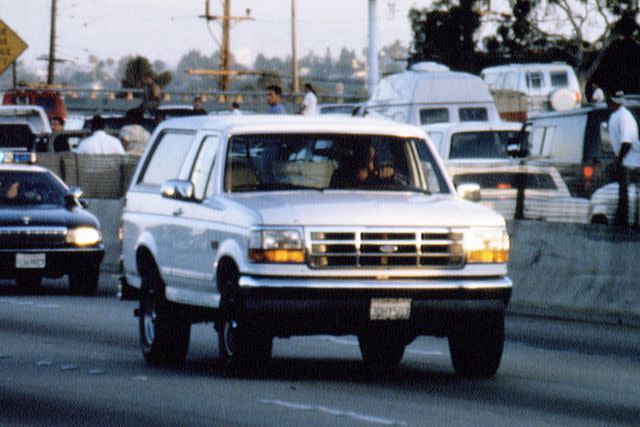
[(390, 309), (31, 260)]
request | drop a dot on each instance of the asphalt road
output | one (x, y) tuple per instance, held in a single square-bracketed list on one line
[(68, 360)]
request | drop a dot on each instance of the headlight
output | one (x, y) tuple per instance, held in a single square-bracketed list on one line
[(276, 245), (486, 245), (84, 236)]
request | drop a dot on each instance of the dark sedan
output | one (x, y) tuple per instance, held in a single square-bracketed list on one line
[(45, 231)]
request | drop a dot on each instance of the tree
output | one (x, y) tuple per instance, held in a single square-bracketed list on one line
[(618, 67), (445, 33), (136, 69), (574, 31), (344, 64)]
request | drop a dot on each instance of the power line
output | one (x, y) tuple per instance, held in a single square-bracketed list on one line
[(225, 18)]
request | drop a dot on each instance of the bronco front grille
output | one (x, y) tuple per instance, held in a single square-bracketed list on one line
[(373, 248), (32, 237)]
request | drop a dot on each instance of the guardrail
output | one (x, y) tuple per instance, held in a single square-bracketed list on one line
[(91, 101)]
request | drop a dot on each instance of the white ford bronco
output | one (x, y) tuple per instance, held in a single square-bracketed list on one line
[(274, 226)]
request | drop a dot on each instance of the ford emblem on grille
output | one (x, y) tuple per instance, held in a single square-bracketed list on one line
[(388, 249)]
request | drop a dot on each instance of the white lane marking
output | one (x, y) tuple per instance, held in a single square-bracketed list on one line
[(140, 378), (96, 371), (68, 367), (20, 302), (335, 412), (44, 363), (27, 302), (344, 341), (424, 353), (48, 305)]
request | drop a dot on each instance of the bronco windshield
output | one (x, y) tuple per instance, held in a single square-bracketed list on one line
[(274, 162), (30, 188)]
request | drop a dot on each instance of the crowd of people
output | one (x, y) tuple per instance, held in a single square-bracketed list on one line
[(132, 137)]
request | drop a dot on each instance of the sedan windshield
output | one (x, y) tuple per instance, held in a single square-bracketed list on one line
[(30, 188), (330, 162)]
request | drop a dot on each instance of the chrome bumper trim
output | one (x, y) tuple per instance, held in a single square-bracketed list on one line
[(427, 284)]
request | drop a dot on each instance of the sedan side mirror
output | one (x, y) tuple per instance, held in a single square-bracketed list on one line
[(178, 189), (72, 198), (469, 191), (517, 148)]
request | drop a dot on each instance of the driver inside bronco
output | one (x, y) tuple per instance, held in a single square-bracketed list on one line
[(328, 162)]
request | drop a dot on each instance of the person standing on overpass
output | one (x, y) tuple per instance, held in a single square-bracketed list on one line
[(99, 142), (274, 94), (623, 130)]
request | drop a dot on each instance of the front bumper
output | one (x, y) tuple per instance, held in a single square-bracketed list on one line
[(58, 261), (299, 307)]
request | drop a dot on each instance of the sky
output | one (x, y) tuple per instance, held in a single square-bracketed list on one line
[(167, 29)]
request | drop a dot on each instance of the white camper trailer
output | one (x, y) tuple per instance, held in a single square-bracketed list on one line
[(430, 93)]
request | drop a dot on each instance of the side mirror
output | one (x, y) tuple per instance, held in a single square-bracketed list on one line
[(178, 189), (469, 191), (72, 198), (517, 147)]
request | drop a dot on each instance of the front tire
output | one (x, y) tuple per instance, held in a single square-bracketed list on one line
[(243, 350), (476, 345), (244, 347), (84, 282), (164, 330)]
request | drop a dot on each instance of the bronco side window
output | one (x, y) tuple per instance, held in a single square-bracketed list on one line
[(203, 167), (167, 158)]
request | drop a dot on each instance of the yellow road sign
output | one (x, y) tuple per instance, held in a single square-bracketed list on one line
[(11, 46)]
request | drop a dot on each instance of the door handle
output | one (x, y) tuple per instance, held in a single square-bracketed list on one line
[(178, 212)]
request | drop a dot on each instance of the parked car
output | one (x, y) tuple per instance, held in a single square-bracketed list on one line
[(278, 226), (24, 127), (431, 93), (44, 229), (548, 86), (474, 140), (49, 99), (577, 143), (546, 196), (346, 109), (604, 203)]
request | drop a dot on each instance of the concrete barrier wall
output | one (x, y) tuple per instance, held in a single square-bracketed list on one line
[(586, 272), (108, 212), (574, 271)]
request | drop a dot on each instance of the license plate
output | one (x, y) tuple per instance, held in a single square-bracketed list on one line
[(31, 260), (390, 309)]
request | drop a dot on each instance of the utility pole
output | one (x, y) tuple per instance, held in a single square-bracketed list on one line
[(224, 50), (226, 18), (295, 87), (372, 79), (52, 44)]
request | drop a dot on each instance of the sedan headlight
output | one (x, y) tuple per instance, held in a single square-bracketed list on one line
[(84, 236), (276, 245), (487, 245)]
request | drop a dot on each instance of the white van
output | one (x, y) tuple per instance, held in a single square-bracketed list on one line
[(431, 93), (552, 86)]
